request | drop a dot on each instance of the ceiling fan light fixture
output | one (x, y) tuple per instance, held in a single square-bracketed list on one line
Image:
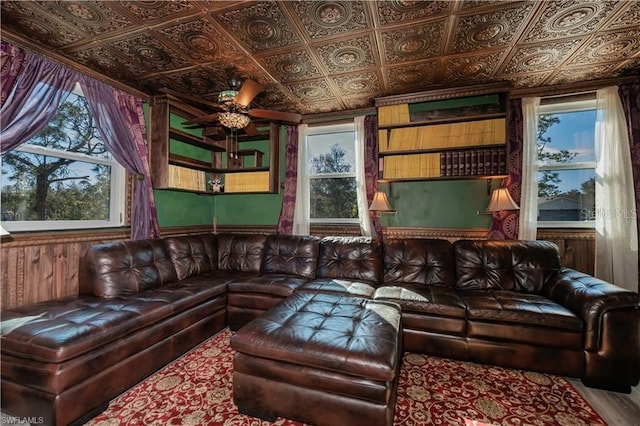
[(227, 96), (233, 120)]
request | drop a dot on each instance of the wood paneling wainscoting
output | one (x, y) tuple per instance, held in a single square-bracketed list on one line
[(41, 266), (577, 247)]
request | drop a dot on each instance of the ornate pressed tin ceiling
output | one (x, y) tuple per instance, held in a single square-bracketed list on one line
[(324, 56)]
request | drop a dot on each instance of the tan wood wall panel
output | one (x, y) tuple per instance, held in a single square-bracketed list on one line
[(44, 267)]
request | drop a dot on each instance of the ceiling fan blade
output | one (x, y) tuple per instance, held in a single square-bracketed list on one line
[(191, 98), (251, 130), (289, 117), (213, 131), (210, 118), (248, 91)]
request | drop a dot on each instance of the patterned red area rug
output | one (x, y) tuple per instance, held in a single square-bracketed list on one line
[(196, 389)]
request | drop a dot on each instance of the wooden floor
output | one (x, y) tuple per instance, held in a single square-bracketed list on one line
[(617, 409)]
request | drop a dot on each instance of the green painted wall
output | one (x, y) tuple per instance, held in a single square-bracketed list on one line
[(432, 204), (437, 204)]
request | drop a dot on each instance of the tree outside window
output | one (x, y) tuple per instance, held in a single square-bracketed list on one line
[(566, 166), (63, 176), (332, 177)]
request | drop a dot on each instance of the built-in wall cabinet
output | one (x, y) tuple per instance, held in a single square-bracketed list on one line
[(443, 134), (194, 159)]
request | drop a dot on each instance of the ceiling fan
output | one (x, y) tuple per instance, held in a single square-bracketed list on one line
[(233, 106)]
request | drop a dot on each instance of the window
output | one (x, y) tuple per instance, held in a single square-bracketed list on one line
[(331, 162), (566, 164), (63, 177)]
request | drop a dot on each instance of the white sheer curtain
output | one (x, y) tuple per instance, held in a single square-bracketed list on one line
[(616, 231), (301, 211), (528, 218), (361, 188)]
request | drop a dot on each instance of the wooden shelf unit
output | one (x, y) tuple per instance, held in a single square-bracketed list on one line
[(163, 161), (443, 134)]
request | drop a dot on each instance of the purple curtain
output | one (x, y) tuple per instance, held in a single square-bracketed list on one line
[(285, 222), (11, 60), (630, 97), (120, 119), (39, 89), (504, 224), (371, 165)]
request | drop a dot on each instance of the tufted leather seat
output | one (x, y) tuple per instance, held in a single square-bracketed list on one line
[(287, 264), (320, 358)]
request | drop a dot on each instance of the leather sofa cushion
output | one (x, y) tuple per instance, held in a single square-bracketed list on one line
[(294, 255), (125, 268), (424, 261), (340, 287), (351, 258), (418, 298), (76, 325), (505, 306), (523, 266), (275, 284), (240, 252), (193, 254), (343, 334)]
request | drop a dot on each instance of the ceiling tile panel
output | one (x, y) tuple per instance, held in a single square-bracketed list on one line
[(413, 43), (568, 75), (522, 81), (330, 18), (150, 53), (475, 68), (400, 12), (404, 78), (201, 41), (91, 17), (20, 17), (540, 58), (349, 54), (107, 61), (259, 27), (492, 29), (291, 66), (610, 47), (630, 17), (312, 91), (147, 11), (357, 84), (561, 19)]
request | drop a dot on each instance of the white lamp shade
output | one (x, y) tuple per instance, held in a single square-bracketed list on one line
[(501, 200), (380, 203)]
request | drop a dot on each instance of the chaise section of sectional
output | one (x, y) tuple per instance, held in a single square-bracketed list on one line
[(133, 316)]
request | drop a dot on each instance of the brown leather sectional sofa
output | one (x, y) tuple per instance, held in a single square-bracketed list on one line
[(143, 303)]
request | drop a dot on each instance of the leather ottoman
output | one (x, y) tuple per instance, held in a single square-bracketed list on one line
[(322, 359)]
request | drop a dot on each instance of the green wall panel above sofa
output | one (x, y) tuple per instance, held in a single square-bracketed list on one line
[(437, 204)]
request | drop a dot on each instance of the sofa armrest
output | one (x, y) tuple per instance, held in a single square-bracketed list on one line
[(591, 298)]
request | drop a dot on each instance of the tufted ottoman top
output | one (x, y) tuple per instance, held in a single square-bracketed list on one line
[(346, 334)]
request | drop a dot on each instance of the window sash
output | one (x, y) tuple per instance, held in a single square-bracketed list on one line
[(561, 108)]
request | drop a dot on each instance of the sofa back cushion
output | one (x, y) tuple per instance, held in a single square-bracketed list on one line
[(523, 266), (240, 252), (355, 258), (420, 261), (126, 267), (193, 254), (291, 254)]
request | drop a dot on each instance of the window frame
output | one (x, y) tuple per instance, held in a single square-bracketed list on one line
[(325, 130), (561, 108), (117, 191)]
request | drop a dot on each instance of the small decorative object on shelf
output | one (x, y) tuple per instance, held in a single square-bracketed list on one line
[(216, 185)]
